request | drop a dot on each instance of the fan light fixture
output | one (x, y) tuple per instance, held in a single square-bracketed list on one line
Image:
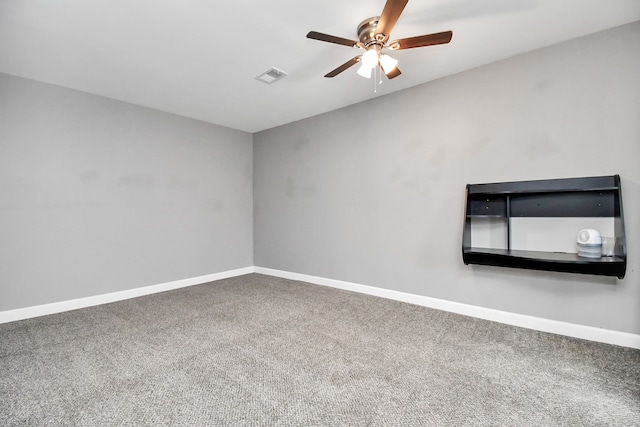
[(369, 61), (387, 63), (371, 58)]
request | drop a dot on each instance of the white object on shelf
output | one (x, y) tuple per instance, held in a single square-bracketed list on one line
[(589, 243)]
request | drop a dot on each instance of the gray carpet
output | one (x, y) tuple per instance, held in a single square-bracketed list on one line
[(258, 350)]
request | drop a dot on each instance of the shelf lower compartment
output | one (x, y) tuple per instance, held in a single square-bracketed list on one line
[(550, 261)]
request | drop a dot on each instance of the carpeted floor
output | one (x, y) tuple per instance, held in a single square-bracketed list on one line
[(259, 350)]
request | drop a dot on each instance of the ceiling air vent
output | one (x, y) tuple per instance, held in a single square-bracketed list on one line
[(271, 75)]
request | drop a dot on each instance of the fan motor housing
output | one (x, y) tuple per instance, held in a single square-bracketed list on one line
[(367, 31)]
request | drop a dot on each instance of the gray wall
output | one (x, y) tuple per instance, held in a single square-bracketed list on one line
[(98, 196), (374, 193)]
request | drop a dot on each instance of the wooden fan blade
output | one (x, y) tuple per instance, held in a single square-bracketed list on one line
[(420, 41), (394, 73), (348, 64), (331, 39), (390, 14)]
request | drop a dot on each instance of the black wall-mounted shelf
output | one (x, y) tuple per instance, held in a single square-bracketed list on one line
[(551, 198)]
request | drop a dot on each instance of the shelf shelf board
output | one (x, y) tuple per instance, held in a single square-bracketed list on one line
[(537, 260), (481, 193), (563, 185)]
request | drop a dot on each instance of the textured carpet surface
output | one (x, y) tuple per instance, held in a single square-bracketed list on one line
[(259, 350)]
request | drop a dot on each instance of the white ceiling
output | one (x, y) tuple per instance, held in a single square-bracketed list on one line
[(199, 58)]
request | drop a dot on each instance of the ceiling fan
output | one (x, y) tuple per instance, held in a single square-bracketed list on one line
[(373, 35)]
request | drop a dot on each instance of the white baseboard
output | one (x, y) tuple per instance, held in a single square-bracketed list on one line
[(536, 323), (74, 304)]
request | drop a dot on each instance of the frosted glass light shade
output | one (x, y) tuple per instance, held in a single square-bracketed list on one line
[(387, 63), (368, 61), (365, 71), (370, 58)]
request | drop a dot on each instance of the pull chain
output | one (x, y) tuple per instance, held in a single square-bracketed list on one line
[(377, 79)]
